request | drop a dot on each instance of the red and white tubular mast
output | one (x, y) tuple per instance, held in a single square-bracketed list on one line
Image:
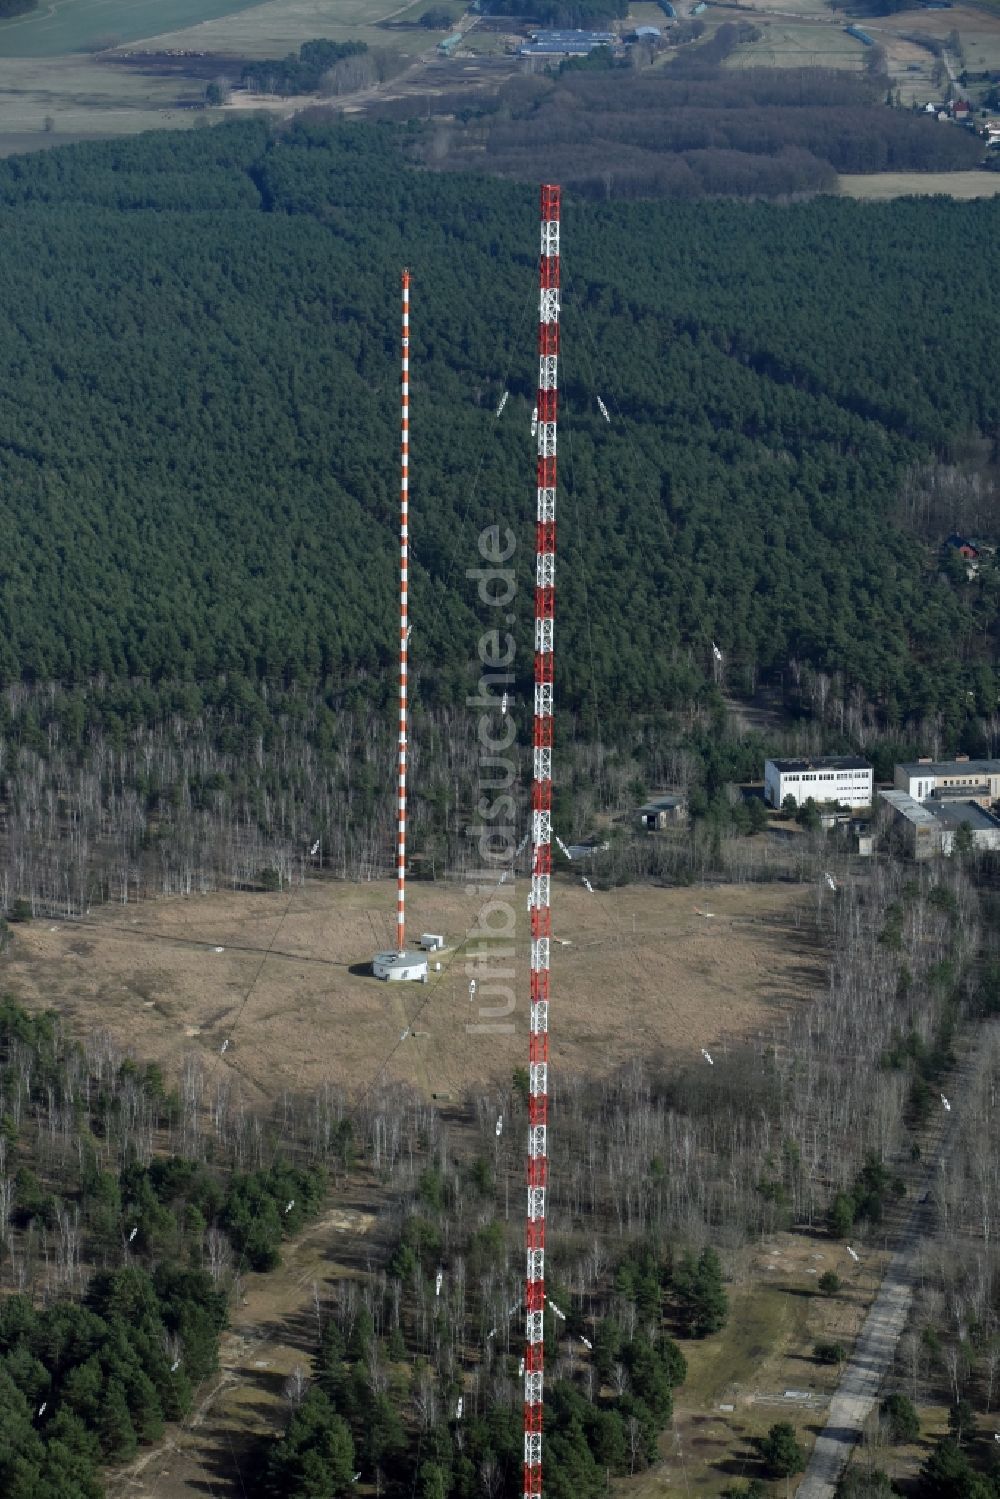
[(404, 628), (541, 836)]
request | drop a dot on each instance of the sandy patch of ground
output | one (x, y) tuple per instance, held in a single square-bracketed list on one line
[(286, 979)]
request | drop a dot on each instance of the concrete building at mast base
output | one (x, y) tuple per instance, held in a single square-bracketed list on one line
[(398, 967)]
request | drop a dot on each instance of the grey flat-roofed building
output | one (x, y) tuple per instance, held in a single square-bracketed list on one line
[(978, 779), (593, 38), (847, 779), (915, 825), (930, 827)]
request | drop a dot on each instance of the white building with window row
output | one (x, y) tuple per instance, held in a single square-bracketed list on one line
[(974, 780), (846, 779)]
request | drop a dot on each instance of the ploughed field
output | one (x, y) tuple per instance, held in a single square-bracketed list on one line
[(285, 979)]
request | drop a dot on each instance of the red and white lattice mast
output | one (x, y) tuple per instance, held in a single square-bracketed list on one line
[(404, 621), (541, 836), (400, 964)]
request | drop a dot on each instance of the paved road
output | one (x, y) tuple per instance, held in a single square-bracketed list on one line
[(862, 1378), (874, 1351)]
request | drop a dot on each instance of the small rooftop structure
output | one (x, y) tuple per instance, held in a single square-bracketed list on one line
[(908, 807), (397, 967), (822, 762)]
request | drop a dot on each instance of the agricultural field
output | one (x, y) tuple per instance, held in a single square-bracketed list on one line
[(59, 27), (287, 981), (66, 73), (962, 185), (808, 33), (978, 30), (277, 27), (788, 43)]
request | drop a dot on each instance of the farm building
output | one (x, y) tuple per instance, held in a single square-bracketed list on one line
[(449, 43), (927, 828), (646, 34), (827, 778), (663, 812), (566, 43), (974, 780)]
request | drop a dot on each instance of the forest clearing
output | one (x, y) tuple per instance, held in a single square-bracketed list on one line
[(880, 185), (285, 979)]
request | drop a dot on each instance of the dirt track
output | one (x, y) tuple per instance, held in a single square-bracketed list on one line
[(272, 1330)]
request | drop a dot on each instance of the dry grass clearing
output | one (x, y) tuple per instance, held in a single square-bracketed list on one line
[(48, 101), (907, 184), (287, 982)]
